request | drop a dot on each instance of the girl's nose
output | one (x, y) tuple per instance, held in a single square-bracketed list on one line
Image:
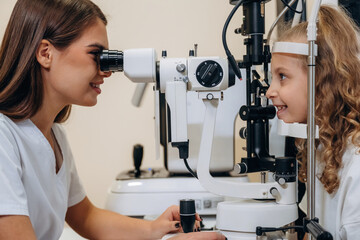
[(271, 92)]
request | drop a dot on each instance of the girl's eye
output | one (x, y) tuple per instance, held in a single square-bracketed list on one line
[(282, 76)]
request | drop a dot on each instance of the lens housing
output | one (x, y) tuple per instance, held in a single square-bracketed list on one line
[(111, 61)]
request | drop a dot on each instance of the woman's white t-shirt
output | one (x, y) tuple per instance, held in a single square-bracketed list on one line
[(29, 184)]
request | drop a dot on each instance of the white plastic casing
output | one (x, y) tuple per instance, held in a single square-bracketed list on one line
[(140, 65), (169, 73), (194, 85), (175, 95), (292, 47), (246, 215), (297, 130), (228, 188), (139, 197)]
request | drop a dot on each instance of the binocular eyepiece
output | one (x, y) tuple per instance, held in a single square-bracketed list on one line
[(111, 61), (140, 66)]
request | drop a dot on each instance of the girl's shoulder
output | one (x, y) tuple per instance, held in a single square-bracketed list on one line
[(352, 149), (351, 161)]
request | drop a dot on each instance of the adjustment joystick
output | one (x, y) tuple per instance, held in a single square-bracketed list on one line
[(137, 156), (187, 215)]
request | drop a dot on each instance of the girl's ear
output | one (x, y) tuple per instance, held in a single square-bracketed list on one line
[(44, 53)]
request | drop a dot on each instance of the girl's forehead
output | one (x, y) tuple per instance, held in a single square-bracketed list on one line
[(282, 62), (285, 59)]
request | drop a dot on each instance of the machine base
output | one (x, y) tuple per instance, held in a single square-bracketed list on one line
[(151, 194), (238, 220)]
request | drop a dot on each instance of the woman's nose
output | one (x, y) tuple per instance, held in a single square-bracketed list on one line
[(105, 74)]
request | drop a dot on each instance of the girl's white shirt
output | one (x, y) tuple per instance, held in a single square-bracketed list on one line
[(29, 184), (339, 213)]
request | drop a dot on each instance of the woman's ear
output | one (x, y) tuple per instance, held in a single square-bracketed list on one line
[(44, 53)]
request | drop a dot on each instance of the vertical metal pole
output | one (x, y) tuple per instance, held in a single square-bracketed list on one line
[(249, 126), (311, 34), (311, 135)]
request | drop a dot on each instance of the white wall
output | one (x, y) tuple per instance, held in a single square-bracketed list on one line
[(102, 136)]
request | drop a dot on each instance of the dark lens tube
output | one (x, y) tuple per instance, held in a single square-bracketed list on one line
[(111, 61), (187, 215)]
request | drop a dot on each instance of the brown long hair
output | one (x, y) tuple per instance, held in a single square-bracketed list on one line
[(337, 93), (60, 22)]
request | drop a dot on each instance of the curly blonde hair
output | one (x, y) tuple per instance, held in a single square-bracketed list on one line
[(337, 90)]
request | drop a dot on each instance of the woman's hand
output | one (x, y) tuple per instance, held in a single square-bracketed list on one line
[(169, 222)]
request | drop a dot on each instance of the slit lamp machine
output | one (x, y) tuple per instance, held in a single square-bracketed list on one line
[(261, 210)]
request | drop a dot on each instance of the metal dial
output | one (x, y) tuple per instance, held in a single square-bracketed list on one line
[(209, 73)]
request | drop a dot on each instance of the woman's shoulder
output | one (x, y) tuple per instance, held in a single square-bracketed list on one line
[(20, 128), (3, 119), (58, 128), (6, 124), (8, 141), (60, 134)]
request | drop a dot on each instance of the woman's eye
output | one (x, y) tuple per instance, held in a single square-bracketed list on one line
[(95, 53), (95, 56)]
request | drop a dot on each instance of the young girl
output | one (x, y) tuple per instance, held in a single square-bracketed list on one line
[(337, 113), (48, 61)]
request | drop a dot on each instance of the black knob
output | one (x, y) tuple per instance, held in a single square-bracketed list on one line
[(164, 53), (243, 132), (187, 215), (285, 168), (137, 156), (316, 230), (209, 73)]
